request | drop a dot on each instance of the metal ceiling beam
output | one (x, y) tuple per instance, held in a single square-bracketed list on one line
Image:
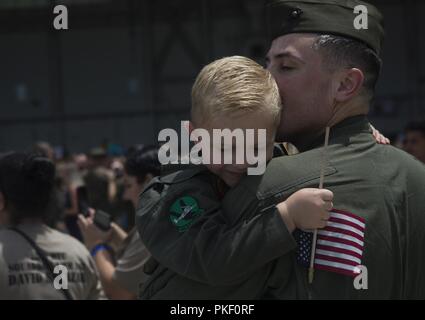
[(88, 117), (112, 14)]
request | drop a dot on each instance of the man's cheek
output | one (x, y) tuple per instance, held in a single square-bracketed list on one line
[(270, 153), (282, 86)]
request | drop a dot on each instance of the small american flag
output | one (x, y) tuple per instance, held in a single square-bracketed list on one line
[(339, 245)]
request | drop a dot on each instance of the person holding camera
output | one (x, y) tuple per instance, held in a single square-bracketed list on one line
[(121, 257)]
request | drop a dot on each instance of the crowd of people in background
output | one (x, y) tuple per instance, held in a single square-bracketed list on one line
[(414, 140), (63, 196), (97, 178), (39, 189)]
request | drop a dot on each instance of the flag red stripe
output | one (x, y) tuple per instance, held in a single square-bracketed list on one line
[(339, 240), (344, 263), (336, 259), (339, 230), (339, 250), (337, 270), (348, 223), (349, 214)]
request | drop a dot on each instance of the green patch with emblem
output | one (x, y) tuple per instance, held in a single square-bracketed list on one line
[(183, 212)]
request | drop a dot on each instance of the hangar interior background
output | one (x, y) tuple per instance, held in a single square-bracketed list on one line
[(124, 69)]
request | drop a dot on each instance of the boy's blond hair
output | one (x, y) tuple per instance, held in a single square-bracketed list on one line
[(234, 85)]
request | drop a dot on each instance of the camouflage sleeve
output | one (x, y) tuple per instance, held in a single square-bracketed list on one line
[(187, 231)]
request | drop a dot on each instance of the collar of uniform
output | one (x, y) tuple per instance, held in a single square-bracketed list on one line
[(279, 150), (342, 131)]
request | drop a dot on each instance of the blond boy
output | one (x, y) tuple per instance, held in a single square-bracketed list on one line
[(180, 219)]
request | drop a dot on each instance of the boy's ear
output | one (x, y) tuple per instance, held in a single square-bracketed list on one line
[(190, 127)]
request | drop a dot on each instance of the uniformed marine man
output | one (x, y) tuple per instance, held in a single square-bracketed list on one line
[(326, 70), (176, 207)]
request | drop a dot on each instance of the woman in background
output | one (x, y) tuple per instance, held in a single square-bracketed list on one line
[(121, 279), (29, 249)]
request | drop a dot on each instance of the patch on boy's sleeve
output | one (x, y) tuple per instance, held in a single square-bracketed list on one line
[(183, 212)]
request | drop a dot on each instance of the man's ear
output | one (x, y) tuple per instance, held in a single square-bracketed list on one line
[(349, 84)]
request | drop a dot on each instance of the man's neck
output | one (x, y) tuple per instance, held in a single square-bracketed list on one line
[(355, 107), (348, 126), (303, 141), (341, 112)]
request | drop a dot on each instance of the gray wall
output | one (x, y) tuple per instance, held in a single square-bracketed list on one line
[(123, 78)]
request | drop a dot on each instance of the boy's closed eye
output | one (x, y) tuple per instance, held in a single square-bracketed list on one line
[(286, 68)]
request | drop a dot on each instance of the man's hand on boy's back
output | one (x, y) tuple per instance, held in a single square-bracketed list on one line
[(306, 209)]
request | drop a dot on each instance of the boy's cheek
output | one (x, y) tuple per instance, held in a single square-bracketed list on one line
[(231, 178), (214, 168)]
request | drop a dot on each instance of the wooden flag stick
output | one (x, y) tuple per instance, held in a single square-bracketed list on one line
[(322, 178)]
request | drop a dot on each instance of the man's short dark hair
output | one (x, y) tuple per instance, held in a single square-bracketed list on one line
[(342, 52), (415, 126)]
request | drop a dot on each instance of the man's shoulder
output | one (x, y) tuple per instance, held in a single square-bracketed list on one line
[(295, 159), (377, 162), (413, 169), (283, 173), (403, 157)]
